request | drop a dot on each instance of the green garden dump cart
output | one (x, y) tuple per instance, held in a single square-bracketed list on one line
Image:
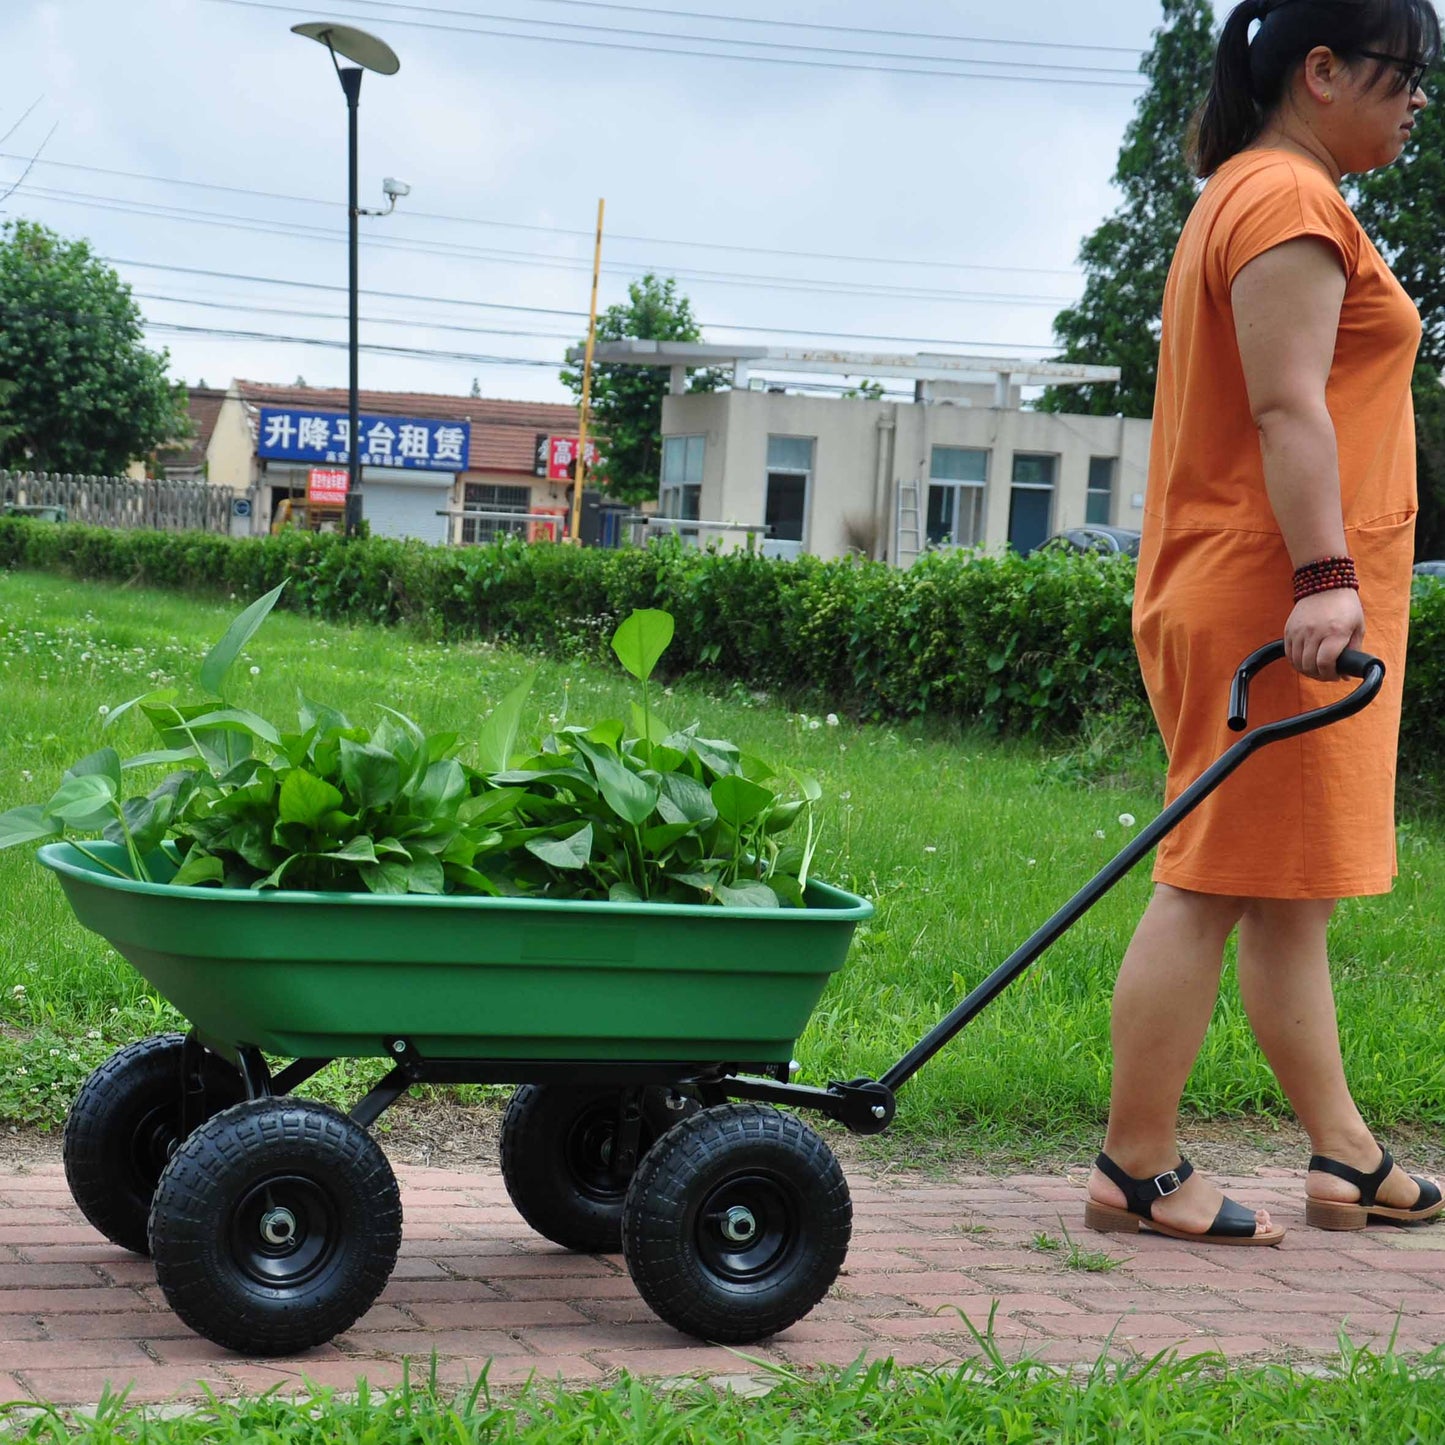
[(650, 1043)]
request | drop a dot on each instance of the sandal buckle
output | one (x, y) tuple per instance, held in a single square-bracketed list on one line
[(1171, 1179)]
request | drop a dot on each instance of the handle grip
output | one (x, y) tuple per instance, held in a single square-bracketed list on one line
[(1370, 670)]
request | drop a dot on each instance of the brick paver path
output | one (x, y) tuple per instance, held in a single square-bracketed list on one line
[(474, 1284)]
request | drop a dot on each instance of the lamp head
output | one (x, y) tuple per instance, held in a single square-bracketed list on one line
[(351, 44), (394, 188)]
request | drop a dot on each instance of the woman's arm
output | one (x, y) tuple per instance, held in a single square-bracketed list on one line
[(1286, 317)]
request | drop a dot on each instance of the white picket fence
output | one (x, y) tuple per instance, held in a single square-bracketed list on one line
[(120, 502)]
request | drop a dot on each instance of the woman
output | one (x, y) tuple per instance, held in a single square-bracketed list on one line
[(1283, 445)]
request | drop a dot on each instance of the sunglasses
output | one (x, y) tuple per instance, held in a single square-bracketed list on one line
[(1413, 71)]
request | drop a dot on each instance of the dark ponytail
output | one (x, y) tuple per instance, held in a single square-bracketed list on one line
[(1231, 118), (1251, 74)]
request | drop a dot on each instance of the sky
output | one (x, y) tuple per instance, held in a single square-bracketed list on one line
[(807, 204)]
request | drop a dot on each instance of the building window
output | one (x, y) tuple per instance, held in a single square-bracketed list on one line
[(1101, 490), (790, 477), (484, 497), (957, 481), (681, 494), (1031, 507)]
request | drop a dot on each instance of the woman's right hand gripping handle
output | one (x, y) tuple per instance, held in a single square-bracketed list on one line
[(1322, 627)]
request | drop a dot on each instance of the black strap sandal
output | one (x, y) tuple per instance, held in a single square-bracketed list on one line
[(1234, 1224), (1328, 1214)]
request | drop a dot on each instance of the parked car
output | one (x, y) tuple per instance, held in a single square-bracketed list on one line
[(1430, 569), (1096, 539), (39, 513)]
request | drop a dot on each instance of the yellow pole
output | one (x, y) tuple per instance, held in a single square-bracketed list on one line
[(581, 470)]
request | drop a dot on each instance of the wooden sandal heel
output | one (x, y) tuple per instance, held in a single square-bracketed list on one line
[(1329, 1214), (1326, 1214), (1105, 1219)]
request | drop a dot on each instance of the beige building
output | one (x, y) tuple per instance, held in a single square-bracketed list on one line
[(960, 465)]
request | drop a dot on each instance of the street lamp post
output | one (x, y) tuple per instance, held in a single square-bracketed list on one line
[(367, 53)]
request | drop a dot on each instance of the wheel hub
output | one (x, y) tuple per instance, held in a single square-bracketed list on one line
[(286, 1230), (748, 1227), (278, 1226), (738, 1224)]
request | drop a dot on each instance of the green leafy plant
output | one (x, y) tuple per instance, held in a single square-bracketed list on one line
[(630, 815)]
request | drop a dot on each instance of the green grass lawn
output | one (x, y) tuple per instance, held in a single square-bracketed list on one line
[(965, 844), (1368, 1399)]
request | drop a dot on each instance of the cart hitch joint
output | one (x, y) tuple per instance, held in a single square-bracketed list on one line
[(865, 1106)]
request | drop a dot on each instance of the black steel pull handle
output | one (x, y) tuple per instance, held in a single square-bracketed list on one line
[(1369, 669)]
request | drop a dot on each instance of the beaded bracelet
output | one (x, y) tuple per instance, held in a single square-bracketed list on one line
[(1329, 574)]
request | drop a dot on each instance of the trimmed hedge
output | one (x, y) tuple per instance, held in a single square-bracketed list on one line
[(1022, 645)]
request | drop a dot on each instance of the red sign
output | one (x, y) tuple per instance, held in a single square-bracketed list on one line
[(326, 485), (547, 531), (562, 458)]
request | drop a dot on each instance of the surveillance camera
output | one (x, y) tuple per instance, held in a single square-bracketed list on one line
[(395, 188)]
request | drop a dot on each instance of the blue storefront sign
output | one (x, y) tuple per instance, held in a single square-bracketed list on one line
[(412, 443)]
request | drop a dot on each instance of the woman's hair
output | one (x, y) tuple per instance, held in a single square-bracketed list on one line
[(1251, 74)]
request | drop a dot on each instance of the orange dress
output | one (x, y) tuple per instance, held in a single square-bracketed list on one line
[(1313, 817)]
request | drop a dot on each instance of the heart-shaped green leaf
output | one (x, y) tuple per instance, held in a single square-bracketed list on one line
[(389, 878), (105, 764), (738, 801), (746, 895), (572, 852), (199, 870), (686, 800), (84, 802), (358, 850), (632, 798), (306, 799), (371, 774), (26, 825), (641, 640)]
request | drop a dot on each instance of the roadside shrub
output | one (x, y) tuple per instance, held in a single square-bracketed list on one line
[(1034, 645)]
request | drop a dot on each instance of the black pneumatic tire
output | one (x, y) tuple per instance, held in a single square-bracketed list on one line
[(556, 1143), (275, 1226), (124, 1126), (767, 1177)]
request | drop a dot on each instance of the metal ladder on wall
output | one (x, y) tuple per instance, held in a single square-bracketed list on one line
[(908, 529)]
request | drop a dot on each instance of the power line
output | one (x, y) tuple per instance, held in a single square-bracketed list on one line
[(248, 308), (454, 301), (830, 50), (458, 251), (172, 328), (709, 54), (840, 29), (557, 230)]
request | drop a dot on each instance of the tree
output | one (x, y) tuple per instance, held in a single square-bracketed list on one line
[(1403, 209), (1126, 261), (7, 431), (87, 395), (627, 400)]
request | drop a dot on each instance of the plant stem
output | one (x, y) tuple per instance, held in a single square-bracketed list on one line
[(641, 863), (100, 862), (186, 728), (136, 862)]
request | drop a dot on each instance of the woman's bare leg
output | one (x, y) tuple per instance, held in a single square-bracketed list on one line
[(1284, 980), (1163, 1001)]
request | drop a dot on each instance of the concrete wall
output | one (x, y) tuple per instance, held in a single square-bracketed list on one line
[(864, 450), (231, 452)]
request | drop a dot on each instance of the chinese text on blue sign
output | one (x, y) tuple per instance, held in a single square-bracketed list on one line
[(287, 434)]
